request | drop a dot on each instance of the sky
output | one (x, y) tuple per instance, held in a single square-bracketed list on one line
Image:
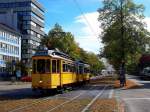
[(80, 18)]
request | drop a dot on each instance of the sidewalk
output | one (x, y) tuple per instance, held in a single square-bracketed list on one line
[(5, 82), (9, 86), (13, 83), (134, 99)]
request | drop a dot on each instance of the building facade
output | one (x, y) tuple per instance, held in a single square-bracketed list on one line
[(28, 18), (10, 46)]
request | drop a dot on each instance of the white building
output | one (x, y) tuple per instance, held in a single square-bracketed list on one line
[(10, 46)]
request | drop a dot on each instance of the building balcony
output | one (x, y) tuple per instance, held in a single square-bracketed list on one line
[(9, 41), (9, 53)]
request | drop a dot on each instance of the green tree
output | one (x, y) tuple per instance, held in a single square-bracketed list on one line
[(94, 62), (54, 38), (124, 34), (66, 43)]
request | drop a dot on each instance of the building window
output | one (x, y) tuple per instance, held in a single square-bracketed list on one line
[(15, 4), (33, 24), (1, 57), (37, 17), (37, 8)]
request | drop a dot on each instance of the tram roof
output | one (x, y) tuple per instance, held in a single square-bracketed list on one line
[(80, 62), (59, 55), (53, 54)]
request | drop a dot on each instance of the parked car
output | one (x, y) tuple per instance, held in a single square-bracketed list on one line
[(145, 73), (26, 79)]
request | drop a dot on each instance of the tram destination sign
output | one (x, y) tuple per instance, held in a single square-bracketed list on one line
[(41, 53)]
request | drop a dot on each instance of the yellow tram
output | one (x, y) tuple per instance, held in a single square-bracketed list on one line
[(53, 70)]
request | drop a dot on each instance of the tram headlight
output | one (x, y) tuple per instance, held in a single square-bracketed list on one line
[(40, 81)]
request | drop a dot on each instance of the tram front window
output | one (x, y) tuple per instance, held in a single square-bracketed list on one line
[(41, 66), (34, 66), (54, 64), (47, 67)]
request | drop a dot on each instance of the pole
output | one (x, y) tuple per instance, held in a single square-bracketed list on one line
[(122, 32), (122, 42)]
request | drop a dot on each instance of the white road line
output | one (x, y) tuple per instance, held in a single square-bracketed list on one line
[(67, 101), (94, 99), (111, 93), (136, 98), (45, 99)]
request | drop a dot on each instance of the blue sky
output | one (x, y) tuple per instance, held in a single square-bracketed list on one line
[(68, 15)]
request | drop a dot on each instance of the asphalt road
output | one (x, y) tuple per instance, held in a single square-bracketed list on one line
[(17, 91), (136, 100), (24, 92)]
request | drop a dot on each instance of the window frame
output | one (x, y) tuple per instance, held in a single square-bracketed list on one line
[(53, 65), (48, 67)]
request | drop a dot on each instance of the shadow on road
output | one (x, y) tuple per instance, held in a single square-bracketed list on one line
[(144, 81), (27, 93), (24, 93)]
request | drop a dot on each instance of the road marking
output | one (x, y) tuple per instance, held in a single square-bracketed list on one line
[(68, 100), (111, 93), (94, 99), (136, 98)]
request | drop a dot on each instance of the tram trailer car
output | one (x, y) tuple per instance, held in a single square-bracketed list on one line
[(55, 70), (83, 73)]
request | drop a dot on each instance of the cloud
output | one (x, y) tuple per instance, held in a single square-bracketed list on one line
[(90, 23), (89, 31), (147, 21), (89, 28)]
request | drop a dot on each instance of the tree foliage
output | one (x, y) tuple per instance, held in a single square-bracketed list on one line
[(124, 32), (65, 42)]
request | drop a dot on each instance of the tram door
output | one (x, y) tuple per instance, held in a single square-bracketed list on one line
[(55, 76)]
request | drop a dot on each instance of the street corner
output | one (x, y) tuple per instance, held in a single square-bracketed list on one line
[(130, 84)]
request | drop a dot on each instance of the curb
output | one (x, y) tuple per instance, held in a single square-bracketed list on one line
[(139, 84), (120, 103)]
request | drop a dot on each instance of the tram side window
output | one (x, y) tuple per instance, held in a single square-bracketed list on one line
[(34, 66), (70, 68), (47, 66), (54, 66), (65, 68), (86, 70), (41, 66), (80, 69)]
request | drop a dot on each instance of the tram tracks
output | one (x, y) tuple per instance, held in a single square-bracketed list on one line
[(41, 102), (16, 104), (94, 99), (78, 104), (80, 99), (52, 100)]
